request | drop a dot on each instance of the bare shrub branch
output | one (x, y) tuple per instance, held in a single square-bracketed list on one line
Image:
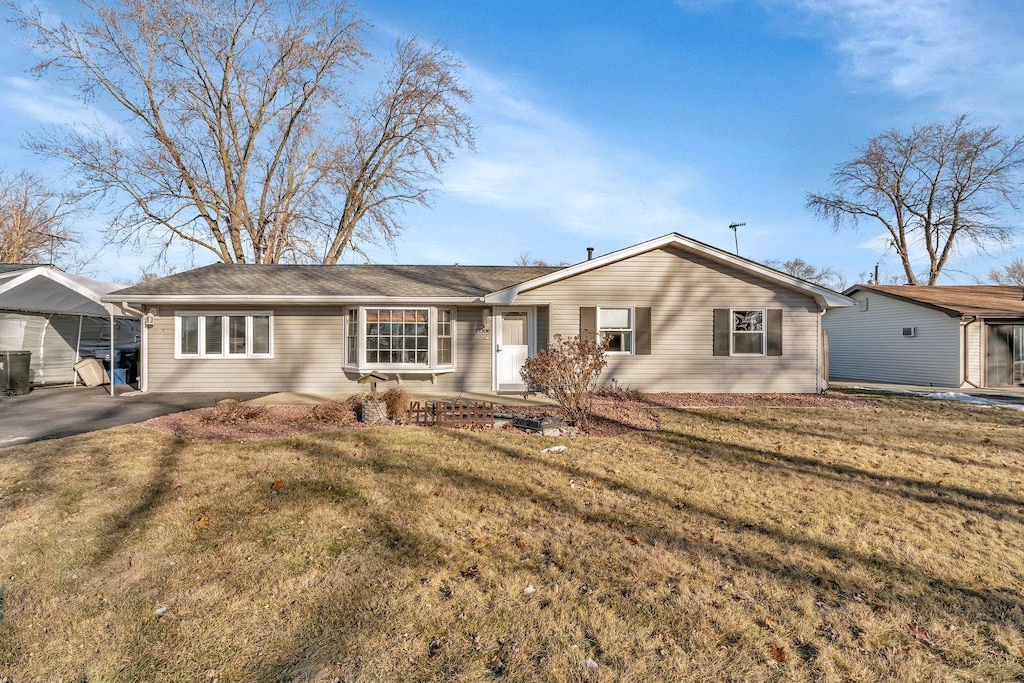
[(567, 371)]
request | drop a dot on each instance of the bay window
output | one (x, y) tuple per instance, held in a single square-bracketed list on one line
[(411, 338)]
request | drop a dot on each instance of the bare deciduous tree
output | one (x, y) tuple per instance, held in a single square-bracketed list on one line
[(797, 267), (34, 220), (1010, 274), (241, 133), (932, 188), (524, 259)]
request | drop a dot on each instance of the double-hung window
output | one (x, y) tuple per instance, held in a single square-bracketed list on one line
[(224, 335), (408, 338), (615, 328), (747, 337)]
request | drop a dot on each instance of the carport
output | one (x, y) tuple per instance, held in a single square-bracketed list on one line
[(57, 315)]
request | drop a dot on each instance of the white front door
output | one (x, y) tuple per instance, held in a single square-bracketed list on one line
[(513, 329)]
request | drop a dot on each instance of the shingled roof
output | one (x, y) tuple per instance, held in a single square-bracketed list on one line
[(300, 281), (986, 301)]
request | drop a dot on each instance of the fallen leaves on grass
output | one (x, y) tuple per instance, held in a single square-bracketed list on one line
[(777, 653)]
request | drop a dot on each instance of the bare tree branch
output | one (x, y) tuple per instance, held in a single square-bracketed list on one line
[(34, 220), (241, 135), (935, 187), (797, 267), (1010, 274)]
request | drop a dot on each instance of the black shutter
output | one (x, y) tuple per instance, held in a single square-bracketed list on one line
[(588, 323), (642, 325), (774, 332), (722, 330)]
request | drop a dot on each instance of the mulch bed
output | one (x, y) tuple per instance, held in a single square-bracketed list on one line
[(611, 415)]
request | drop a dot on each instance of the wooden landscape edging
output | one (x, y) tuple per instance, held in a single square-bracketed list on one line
[(451, 414)]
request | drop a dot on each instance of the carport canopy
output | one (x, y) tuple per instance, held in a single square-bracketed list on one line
[(46, 289), (49, 290)]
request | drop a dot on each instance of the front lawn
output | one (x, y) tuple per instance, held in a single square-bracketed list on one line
[(731, 544)]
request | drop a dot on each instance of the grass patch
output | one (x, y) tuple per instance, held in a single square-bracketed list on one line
[(730, 544)]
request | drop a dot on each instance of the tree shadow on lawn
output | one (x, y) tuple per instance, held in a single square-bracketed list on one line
[(889, 582), (940, 437), (991, 505)]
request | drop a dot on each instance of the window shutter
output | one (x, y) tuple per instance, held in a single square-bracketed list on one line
[(721, 347), (642, 327), (588, 323), (774, 332)]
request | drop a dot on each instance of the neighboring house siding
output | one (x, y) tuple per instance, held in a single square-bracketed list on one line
[(683, 290), (974, 353), (870, 346), (307, 356)]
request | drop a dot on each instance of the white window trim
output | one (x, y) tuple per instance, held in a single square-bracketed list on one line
[(431, 366), (631, 329), (225, 327), (733, 331)]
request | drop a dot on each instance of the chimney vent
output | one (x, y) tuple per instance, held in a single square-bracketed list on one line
[(590, 253)]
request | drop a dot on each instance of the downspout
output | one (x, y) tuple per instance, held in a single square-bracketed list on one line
[(967, 324)]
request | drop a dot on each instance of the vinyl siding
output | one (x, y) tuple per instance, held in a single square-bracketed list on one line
[(974, 353), (307, 356), (683, 290), (870, 346)]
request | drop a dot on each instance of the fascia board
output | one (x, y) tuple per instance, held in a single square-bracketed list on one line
[(825, 298), (286, 300)]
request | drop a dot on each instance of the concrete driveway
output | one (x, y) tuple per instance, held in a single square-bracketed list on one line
[(53, 412)]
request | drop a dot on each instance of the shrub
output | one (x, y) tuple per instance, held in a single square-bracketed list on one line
[(334, 412), (232, 412), (567, 371), (620, 392), (398, 401)]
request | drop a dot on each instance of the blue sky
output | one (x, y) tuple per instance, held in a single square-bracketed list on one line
[(605, 124)]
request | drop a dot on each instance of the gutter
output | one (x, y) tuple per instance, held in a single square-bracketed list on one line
[(234, 299)]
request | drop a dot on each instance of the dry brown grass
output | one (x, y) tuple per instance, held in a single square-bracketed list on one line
[(731, 544)]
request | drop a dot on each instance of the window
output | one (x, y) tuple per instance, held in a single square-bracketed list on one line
[(748, 332), (411, 338), (444, 336), (351, 335), (224, 335), (615, 326)]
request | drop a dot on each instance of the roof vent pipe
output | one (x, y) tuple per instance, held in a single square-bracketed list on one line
[(590, 253)]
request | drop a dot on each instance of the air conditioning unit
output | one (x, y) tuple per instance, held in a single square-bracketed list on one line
[(909, 331)]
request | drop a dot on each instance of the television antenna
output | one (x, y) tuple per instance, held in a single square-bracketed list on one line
[(736, 235)]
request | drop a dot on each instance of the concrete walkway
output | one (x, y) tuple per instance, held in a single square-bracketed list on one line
[(1006, 394), (54, 412)]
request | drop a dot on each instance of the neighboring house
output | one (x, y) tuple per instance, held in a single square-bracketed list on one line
[(943, 336), (680, 315), (60, 318)]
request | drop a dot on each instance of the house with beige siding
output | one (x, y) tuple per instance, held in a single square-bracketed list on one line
[(679, 315), (942, 336)]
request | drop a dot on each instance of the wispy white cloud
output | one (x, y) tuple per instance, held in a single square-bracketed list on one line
[(967, 54), (535, 160), (38, 101)]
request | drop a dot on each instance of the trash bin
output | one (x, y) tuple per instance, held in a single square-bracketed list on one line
[(14, 372)]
